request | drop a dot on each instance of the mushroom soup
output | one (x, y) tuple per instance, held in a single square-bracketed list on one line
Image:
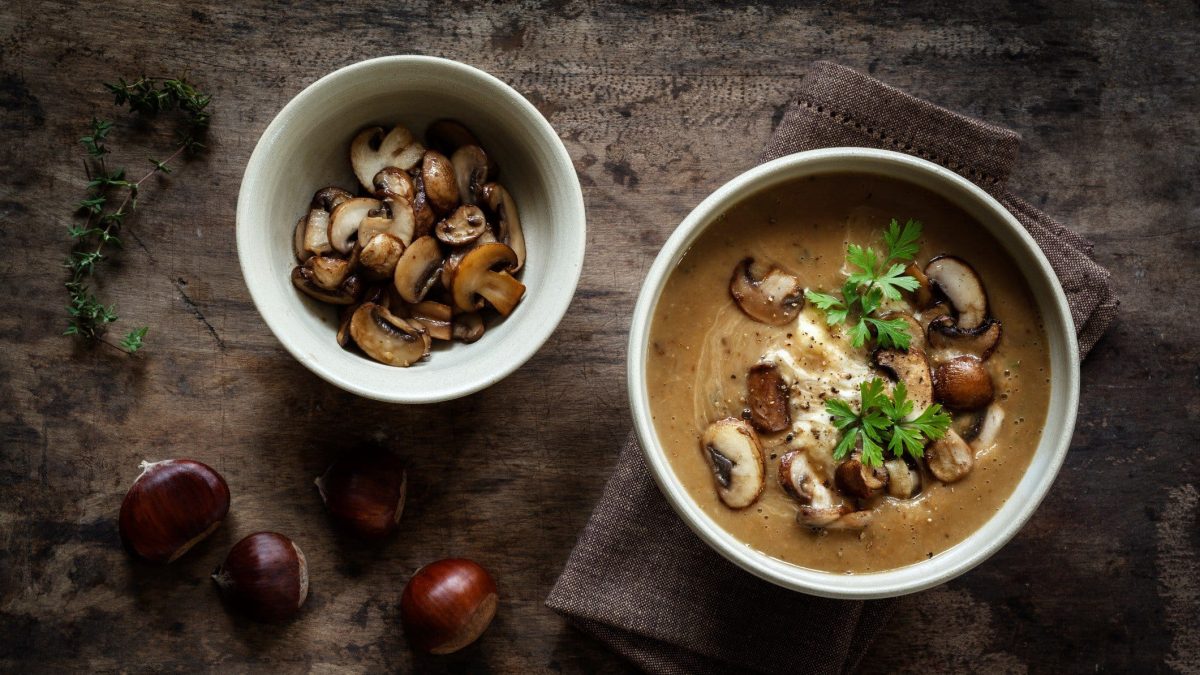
[(840, 391)]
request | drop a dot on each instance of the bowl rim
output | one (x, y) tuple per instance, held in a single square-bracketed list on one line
[(539, 332), (886, 583)]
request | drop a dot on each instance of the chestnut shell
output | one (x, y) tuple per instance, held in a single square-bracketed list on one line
[(172, 506), (447, 605), (266, 576), (365, 492)]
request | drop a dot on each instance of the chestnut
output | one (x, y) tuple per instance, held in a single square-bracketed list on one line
[(365, 492), (447, 605), (171, 507), (265, 575)]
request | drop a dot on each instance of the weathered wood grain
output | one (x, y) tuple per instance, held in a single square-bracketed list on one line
[(658, 105)]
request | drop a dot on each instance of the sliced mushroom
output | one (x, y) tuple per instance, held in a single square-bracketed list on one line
[(967, 424), (380, 254), (345, 294), (470, 164), (386, 337), (855, 520), (949, 458), (767, 395), (767, 294), (395, 217), (441, 188), (500, 202), (913, 328), (923, 296), (467, 327), (372, 151), (903, 481), (371, 294), (462, 227), (328, 198), (734, 455), (328, 272), (447, 135), (817, 505), (477, 276), (857, 479), (417, 270), (393, 183), (423, 214), (316, 232), (989, 427), (435, 317), (963, 383), (346, 219), (981, 341), (298, 248), (450, 266), (961, 285), (912, 368)]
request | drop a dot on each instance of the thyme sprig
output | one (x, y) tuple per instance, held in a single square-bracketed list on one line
[(98, 233)]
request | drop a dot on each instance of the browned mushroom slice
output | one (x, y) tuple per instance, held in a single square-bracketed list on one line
[(767, 395), (435, 317), (379, 255), (500, 202), (346, 219), (423, 215), (855, 520), (817, 505), (949, 458), (961, 286), (393, 183), (477, 276), (923, 296), (371, 294), (734, 455), (437, 175), (963, 383), (298, 248), (462, 227), (447, 135), (467, 327), (913, 328), (394, 217), (316, 232), (455, 256), (989, 428), (859, 480), (470, 164), (767, 294), (981, 341), (328, 272), (417, 270), (967, 424), (345, 294), (372, 151), (386, 337), (903, 481), (912, 368)]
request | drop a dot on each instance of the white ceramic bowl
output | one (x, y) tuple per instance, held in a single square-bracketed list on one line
[(1064, 386), (306, 147)]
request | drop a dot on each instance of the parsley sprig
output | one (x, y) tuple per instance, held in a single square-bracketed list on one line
[(147, 96), (882, 422), (877, 279)]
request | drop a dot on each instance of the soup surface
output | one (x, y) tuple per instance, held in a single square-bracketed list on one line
[(702, 346)]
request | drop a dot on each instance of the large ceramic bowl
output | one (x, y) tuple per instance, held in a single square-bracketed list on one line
[(1064, 386), (306, 147)]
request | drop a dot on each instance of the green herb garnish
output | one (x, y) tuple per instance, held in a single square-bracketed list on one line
[(881, 423), (875, 281)]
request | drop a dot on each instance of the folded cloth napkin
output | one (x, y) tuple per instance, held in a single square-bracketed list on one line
[(641, 581)]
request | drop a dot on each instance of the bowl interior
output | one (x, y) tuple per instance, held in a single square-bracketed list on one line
[(307, 147), (1029, 262)]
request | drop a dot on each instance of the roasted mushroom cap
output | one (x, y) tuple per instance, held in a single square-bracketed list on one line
[(767, 395), (328, 198), (981, 341), (912, 368), (441, 188), (732, 451), (961, 286), (462, 227), (395, 217), (416, 271), (470, 164), (903, 481), (857, 479), (500, 202), (949, 457), (963, 383), (372, 151), (328, 272), (767, 294), (386, 337), (345, 294), (467, 327), (818, 507), (346, 219), (380, 254), (435, 317), (393, 182), (476, 276)]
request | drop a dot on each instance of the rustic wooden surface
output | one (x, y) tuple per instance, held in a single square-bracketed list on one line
[(657, 106)]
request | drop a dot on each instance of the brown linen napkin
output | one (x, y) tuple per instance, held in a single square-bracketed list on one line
[(641, 581)]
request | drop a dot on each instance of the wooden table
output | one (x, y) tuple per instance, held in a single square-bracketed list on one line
[(657, 107)]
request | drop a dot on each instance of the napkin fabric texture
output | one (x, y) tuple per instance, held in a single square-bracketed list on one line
[(640, 581)]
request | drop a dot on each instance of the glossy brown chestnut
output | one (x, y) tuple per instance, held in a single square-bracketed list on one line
[(365, 492), (266, 576), (171, 507), (447, 605)]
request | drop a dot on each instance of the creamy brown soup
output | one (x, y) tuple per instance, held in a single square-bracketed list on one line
[(702, 346)]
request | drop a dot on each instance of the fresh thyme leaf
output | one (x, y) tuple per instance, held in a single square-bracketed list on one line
[(902, 242), (133, 340), (881, 422)]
